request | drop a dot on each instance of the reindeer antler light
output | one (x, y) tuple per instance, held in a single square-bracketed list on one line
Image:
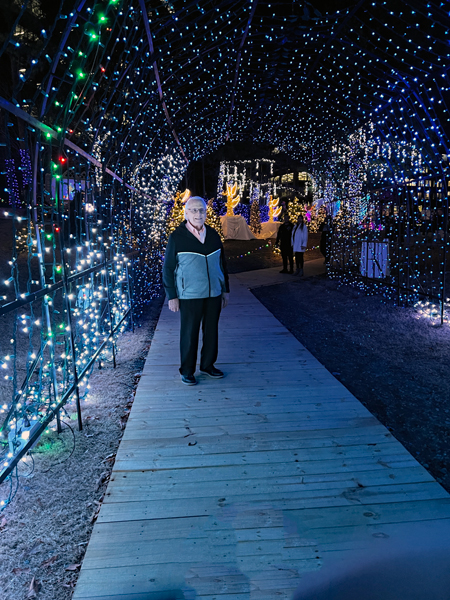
[(273, 212), (232, 199), (186, 195)]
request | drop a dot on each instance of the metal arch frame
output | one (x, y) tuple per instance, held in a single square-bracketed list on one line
[(158, 80), (55, 62), (21, 114), (46, 289), (238, 61)]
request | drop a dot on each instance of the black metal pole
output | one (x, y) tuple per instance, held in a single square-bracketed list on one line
[(62, 249), (445, 246)]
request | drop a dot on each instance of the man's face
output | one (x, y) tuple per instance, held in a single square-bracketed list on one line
[(196, 214)]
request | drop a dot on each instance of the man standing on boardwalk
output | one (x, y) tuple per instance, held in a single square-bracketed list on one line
[(195, 278), (284, 242)]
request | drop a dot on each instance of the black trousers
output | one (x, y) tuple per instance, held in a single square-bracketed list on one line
[(193, 313), (299, 259), (287, 254), (325, 246)]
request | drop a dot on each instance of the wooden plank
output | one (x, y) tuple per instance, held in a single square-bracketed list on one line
[(222, 396), (183, 394), (247, 516), (256, 363), (242, 368), (121, 490), (187, 479), (238, 355), (204, 407), (261, 441), (256, 416), (171, 579), (192, 458), (313, 469), (221, 548), (109, 536), (236, 380), (306, 424), (286, 501)]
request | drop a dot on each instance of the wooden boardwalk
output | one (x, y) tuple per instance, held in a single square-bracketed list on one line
[(242, 488)]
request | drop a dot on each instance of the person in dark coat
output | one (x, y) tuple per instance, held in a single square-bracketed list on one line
[(325, 238), (195, 278), (284, 242)]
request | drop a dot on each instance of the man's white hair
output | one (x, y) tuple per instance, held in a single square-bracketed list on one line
[(198, 198)]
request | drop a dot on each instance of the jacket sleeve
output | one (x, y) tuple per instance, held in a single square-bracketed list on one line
[(224, 268), (170, 263)]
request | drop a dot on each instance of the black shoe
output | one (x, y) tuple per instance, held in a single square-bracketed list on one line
[(212, 372), (283, 271), (188, 380)]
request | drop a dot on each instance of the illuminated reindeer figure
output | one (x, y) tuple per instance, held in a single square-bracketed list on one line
[(186, 195), (232, 199), (273, 212)]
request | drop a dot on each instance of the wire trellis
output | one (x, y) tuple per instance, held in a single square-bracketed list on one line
[(67, 294)]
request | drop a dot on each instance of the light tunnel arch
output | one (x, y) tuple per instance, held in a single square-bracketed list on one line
[(126, 94)]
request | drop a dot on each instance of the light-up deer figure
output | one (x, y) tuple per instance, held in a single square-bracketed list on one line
[(232, 199), (273, 211), (186, 195)]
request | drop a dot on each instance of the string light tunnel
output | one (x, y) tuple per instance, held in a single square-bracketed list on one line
[(106, 103)]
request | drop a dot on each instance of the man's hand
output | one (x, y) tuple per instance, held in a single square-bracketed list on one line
[(174, 305), (225, 298)]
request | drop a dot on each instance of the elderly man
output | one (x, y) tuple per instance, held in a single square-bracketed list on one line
[(195, 278)]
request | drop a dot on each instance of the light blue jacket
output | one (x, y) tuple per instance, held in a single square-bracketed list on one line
[(192, 269), (199, 275)]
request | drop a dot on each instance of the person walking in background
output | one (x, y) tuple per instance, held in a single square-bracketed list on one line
[(325, 238), (195, 278), (284, 241), (299, 243)]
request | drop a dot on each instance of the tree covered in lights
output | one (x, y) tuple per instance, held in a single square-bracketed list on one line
[(295, 208), (219, 205), (255, 217), (313, 217), (176, 216), (317, 217), (213, 219), (243, 210), (344, 255)]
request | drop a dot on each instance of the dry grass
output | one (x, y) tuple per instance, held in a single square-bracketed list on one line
[(45, 530)]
